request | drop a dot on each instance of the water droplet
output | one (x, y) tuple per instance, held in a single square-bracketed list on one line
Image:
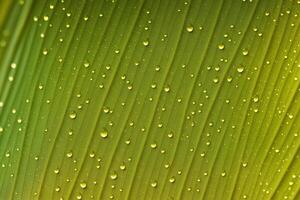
[(83, 185), (189, 28), (255, 99), (221, 46), (122, 166), (45, 52), (170, 135), (291, 116), (46, 18), (114, 176), (13, 65), (154, 184), (104, 134), (57, 189), (70, 154), (172, 179), (146, 43), (240, 69), (245, 52), (86, 64), (153, 145), (167, 89), (216, 80), (73, 115)]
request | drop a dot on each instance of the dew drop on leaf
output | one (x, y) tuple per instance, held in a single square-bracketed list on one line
[(114, 176), (245, 52), (104, 134), (240, 69), (189, 28), (146, 43), (221, 46), (83, 185), (73, 115), (154, 184), (172, 179)]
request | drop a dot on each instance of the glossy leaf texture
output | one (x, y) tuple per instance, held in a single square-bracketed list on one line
[(149, 99)]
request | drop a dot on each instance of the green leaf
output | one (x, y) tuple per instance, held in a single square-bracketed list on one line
[(148, 99)]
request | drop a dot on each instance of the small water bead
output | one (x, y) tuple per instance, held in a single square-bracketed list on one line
[(167, 89), (223, 174), (13, 65), (189, 28), (70, 132), (73, 115), (86, 64), (255, 99), (240, 69), (83, 185), (46, 18), (70, 154), (153, 145), (122, 167), (7, 154), (290, 116), (172, 179), (45, 52), (114, 176), (106, 110), (127, 142), (56, 171), (216, 80), (146, 43), (170, 135), (221, 46), (92, 155), (104, 134), (154, 184), (245, 52), (57, 189)]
